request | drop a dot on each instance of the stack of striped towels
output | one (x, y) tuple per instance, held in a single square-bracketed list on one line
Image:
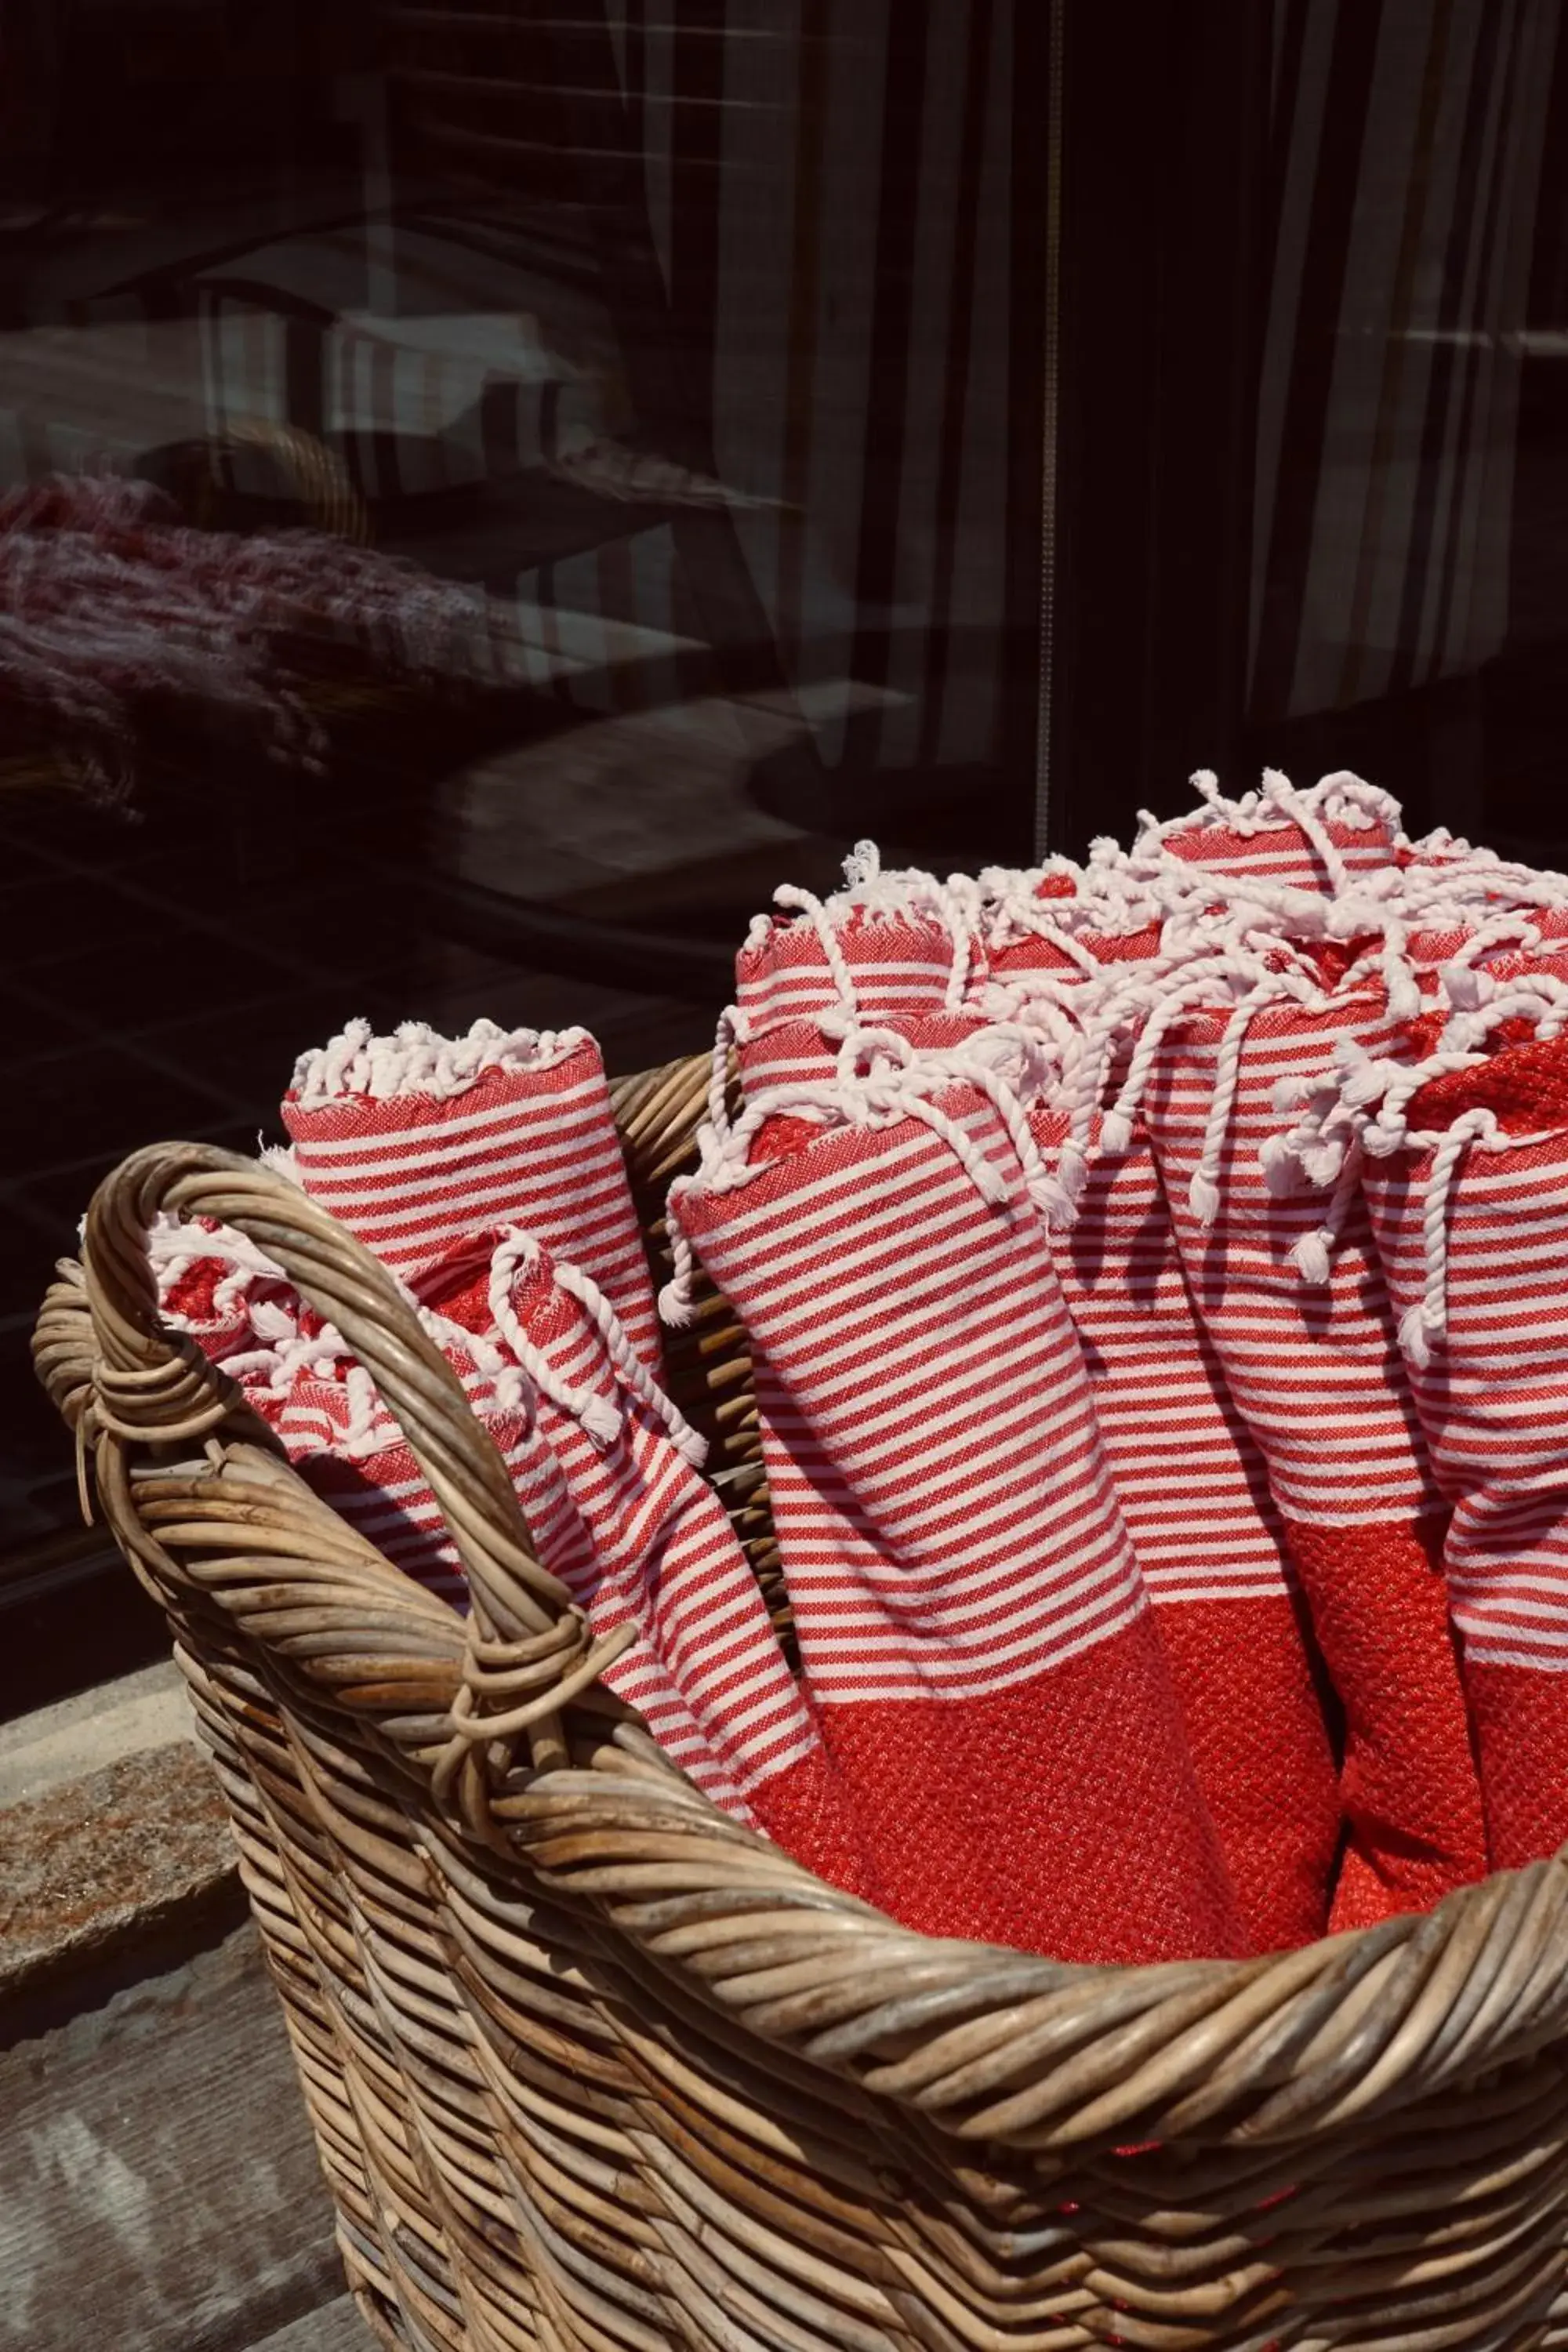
[(1150, 1269)]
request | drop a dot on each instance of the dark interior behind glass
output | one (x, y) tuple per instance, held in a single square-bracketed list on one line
[(952, 422)]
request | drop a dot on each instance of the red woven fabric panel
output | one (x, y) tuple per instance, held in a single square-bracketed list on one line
[(1254, 1721), (1525, 1084), (1520, 1719), (1412, 1811), (951, 1546)]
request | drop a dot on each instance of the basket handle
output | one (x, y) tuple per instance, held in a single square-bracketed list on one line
[(528, 1650)]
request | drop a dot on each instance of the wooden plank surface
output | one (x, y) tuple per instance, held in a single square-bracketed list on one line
[(159, 2188), (336, 2327), (140, 1847)]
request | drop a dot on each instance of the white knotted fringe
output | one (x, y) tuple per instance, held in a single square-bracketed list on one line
[(678, 1299), (1198, 980), (283, 1160), (596, 1415), (1457, 859), (863, 867), (1202, 1188), (733, 1029), (1347, 799), (629, 1365), (1462, 980), (1425, 1325), (898, 1087), (418, 1060), (1009, 1061), (1540, 998), (271, 1370), (1314, 1254), (1367, 1101), (1048, 1011)]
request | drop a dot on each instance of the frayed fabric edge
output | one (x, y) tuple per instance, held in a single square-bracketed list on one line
[(418, 1060)]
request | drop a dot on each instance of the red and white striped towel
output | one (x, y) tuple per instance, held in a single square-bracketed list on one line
[(1190, 1483), (417, 1142), (1465, 1170), (889, 949), (1193, 1487), (1317, 1375), (1318, 839), (972, 1622), (604, 1469)]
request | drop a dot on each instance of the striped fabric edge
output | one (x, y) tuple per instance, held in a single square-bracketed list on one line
[(1496, 1395), (1315, 1372)]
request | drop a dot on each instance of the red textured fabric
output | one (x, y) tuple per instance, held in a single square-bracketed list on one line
[(1521, 1718), (1243, 1665), (1318, 1377), (1380, 1610), (971, 1618), (1525, 1085), (416, 1142)]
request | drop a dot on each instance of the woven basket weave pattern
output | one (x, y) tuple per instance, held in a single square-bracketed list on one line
[(591, 2067)]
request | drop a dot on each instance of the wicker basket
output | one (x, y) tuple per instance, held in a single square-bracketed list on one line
[(591, 2067)]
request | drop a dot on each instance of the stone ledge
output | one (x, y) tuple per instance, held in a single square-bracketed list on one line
[(76, 1735), (131, 1853)]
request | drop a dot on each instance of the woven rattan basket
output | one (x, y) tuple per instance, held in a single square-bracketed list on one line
[(591, 2067)]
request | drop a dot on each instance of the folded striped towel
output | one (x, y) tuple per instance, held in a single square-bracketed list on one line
[(891, 949), (1190, 1481), (1463, 1158), (1314, 1370), (972, 1622), (1191, 1485), (606, 1471), (416, 1142), (1313, 840)]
